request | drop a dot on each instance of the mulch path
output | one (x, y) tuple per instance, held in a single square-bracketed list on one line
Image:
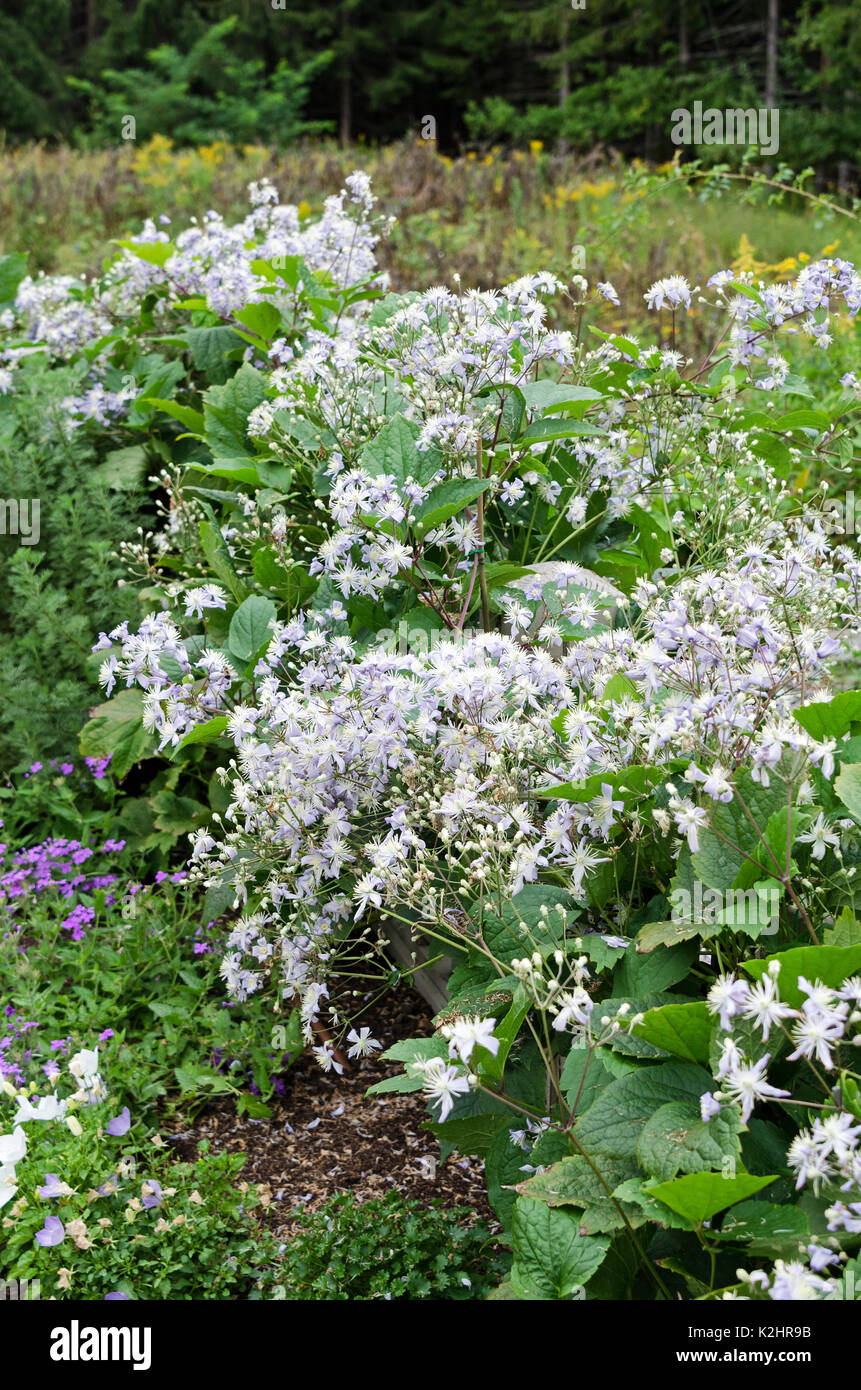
[(325, 1136)]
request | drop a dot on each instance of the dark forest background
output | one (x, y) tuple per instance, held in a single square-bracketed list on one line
[(488, 71)]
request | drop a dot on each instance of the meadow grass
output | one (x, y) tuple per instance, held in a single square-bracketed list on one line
[(487, 218)]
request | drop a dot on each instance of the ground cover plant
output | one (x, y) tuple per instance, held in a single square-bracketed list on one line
[(453, 609)]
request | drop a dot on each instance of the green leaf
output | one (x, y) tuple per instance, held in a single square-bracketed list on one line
[(847, 785), (402, 1083), (253, 1106), (544, 394), (572, 1182), (503, 1170), (122, 469), (177, 815), (638, 1191), (292, 583), (830, 964), (226, 410), (393, 452), (669, 933), (154, 252), (830, 718), (262, 319), (250, 626), (558, 427), (551, 1259), (115, 727), (192, 419), (208, 348), (448, 498), (766, 1229), (471, 1134), (618, 687), (612, 1126), (501, 572), (502, 935), (13, 268), (506, 1033), (628, 785), (415, 1049), (643, 973), (682, 1029), (583, 1077), (730, 837), (219, 557), (700, 1196), (676, 1138), (781, 831), (845, 932), (207, 732)]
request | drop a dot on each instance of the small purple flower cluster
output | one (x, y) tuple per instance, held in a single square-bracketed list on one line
[(64, 767), (55, 866)]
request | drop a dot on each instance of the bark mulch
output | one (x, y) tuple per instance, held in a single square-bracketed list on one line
[(325, 1136)]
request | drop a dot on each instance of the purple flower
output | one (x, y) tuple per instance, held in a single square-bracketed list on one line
[(153, 1197), (108, 1033), (119, 1125), (52, 1233), (115, 1295), (53, 1188)]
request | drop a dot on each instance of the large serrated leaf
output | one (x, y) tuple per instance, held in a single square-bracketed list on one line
[(677, 1139), (612, 1126), (551, 1258)]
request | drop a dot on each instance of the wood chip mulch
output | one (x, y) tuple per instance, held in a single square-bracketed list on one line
[(325, 1136)]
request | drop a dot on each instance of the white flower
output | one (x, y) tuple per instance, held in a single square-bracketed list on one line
[(49, 1108), (764, 1006), (726, 998), (814, 1035), (747, 1084), (442, 1084), (13, 1147), (84, 1063), (819, 836), (709, 1106), (325, 1055), (363, 1045), (669, 293), (795, 1283), (468, 1033)]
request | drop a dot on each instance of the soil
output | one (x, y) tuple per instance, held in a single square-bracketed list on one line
[(326, 1136)]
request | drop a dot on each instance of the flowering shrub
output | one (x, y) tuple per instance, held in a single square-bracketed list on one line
[(529, 646)]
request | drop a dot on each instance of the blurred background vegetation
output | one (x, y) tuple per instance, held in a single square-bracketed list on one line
[(499, 71), (547, 118)]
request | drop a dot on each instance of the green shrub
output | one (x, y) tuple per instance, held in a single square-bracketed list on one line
[(390, 1247)]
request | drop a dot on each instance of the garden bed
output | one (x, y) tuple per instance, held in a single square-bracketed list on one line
[(325, 1137)]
